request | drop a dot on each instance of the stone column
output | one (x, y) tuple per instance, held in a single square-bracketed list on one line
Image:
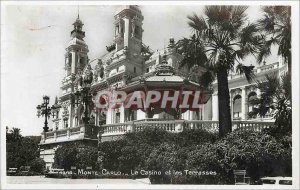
[(122, 114), (73, 64), (126, 31), (244, 112), (215, 107), (231, 103), (70, 122)]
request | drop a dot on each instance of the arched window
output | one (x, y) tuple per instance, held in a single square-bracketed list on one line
[(252, 96), (237, 106)]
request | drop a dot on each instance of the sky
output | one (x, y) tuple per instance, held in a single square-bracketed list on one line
[(33, 42)]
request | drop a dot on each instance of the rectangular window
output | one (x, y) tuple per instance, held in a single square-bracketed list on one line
[(117, 118), (117, 30), (132, 115), (134, 69), (66, 123)]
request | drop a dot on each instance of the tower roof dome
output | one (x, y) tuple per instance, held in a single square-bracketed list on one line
[(78, 22)]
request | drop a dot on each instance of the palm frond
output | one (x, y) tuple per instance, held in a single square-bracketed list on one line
[(197, 23), (247, 71), (192, 51), (276, 23)]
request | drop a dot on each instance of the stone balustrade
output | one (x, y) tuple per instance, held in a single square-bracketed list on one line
[(180, 125), (80, 132), (251, 125), (174, 126)]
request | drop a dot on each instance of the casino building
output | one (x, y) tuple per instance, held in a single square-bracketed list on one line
[(129, 65)]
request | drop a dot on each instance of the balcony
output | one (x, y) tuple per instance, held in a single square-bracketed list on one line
[(176, 126), (70, 134)]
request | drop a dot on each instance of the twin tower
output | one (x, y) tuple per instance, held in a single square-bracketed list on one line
[(124, 60), (127, 37)]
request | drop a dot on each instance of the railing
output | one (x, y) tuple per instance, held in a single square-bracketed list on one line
[(50, 134), (63, 132), (167, 125), (212, 126), (75, 130), (251, 125), (88, 131), (180, 125), (117, 128)]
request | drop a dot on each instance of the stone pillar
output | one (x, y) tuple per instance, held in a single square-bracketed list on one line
[(231, 103), (244, 112), (126, 31), (122, 114), (109, 116), (70, 115), (179, 126), (73, 64), (215, 107), (68, 132)]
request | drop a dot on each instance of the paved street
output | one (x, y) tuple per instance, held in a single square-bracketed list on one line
[(43, 180)]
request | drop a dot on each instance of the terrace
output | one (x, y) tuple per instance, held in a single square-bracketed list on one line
[(113, 131)]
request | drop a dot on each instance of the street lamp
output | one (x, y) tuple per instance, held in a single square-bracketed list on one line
[(45, 110)]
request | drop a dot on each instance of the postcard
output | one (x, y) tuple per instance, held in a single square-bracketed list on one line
[(155, 95)]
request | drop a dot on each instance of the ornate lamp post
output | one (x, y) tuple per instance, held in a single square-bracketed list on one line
[(45, 110)]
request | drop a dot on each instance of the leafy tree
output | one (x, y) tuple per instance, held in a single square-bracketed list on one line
[(222, 38), (276, 24), (13, 134), (20, 151)]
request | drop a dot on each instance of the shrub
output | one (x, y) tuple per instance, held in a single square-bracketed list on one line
[(196, 150), (204, 158), (109, 153), (75, 154), (194, 137), (38, 165), (164, 158), (258, 153)]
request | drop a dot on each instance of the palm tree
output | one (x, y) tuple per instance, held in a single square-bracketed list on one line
[(276, 98), (221, 40), (276, 25), (275, 93), (16, 133)]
